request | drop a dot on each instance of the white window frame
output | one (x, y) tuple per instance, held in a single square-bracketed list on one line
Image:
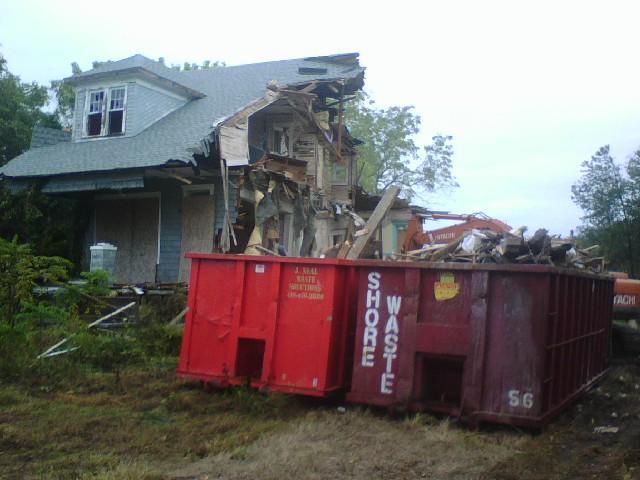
[(106, 104)]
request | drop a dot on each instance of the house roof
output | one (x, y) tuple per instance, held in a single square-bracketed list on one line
[(43, 136), (175, 137), (140, 64)]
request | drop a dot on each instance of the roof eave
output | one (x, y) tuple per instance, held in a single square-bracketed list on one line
[(352, 84), (78, 80)]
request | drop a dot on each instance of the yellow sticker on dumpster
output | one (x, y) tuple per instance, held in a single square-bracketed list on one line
[(446, 288)]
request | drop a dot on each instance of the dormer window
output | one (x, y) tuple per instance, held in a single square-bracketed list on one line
[(116, 111), (106, 112), (94, 118)]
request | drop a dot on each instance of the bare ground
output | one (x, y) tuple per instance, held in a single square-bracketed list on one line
[(360, 445), (161, 428)]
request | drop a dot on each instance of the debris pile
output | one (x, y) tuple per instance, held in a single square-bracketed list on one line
[(484, 246)]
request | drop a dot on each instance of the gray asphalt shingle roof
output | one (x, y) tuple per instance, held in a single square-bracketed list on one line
[(43, 136), (227, 90), (138, 63)]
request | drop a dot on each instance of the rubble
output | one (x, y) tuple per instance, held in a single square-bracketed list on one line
[(485, 246)]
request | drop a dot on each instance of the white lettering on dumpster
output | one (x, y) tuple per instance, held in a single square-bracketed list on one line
[(371, 318), (520, 399), (391, 337), (391, 332)]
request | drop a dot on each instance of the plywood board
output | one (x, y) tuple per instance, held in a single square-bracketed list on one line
[(198, 212), (132, 226)]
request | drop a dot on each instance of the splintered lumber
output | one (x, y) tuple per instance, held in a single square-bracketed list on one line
[(372, 224), (447, 249), (510, 246), (344, 249), (504, 247)]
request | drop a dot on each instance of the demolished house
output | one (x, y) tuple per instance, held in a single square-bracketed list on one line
[(251, 158)]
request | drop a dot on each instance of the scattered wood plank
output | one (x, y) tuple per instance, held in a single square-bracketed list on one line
[(175, 320), (447, 249), (51, 351), (112, 314), (266, 250), (374, 222)]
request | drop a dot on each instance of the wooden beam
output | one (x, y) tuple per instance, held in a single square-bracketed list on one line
[(340, 118), (298, 92), (384, 205), (176, 176), (347, 99), (309, 87)]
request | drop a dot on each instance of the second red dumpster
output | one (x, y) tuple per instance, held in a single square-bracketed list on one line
[(276, 322), (510, 344)]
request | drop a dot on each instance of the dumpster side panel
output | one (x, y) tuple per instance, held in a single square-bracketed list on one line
[(444, 297), (208, 324), (443, 314), (510, 344), (256, 298), (279, 322), (578, 337), (381, 336), (514, 344), (340, 353), (303, 331)]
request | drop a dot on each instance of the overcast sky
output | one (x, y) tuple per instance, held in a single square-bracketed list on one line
[(528, 90)]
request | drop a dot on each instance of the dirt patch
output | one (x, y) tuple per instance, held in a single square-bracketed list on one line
[(360, 445), (572, 448)]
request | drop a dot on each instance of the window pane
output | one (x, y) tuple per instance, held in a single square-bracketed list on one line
[(117, 99), (94, 123), (115, 122), (95, 101)]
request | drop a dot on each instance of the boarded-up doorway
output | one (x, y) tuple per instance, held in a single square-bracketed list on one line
[(198, 214), (131, 224)]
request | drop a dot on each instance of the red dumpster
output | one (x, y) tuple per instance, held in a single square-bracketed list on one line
[(279, 323), (501, 343)]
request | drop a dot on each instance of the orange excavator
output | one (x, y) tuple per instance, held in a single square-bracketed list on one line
[(625, 334), (416, 237), (626, 302)]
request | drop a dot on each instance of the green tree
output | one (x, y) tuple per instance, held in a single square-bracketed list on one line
[(609, 195), (65, 96), (20, 109), (390, 154), (44, 222)]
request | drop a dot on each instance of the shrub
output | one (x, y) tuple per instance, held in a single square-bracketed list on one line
[(20, 271)]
